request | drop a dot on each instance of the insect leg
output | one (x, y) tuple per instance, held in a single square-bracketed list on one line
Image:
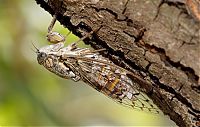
[(87, 35), (53, 21), (54, 37)]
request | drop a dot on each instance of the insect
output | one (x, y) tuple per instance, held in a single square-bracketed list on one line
[(88, 65)]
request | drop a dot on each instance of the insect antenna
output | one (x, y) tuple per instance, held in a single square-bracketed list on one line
[(37, 50)]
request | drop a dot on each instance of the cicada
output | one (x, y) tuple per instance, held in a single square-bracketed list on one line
[(89, 66)]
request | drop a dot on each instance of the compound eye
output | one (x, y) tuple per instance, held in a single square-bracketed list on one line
[(41, 57)]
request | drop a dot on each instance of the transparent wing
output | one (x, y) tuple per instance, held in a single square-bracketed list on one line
[(102, 73)]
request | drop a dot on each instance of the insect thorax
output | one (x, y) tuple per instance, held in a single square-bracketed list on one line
[(59, 67)]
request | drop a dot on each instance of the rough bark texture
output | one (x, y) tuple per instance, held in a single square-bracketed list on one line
[(163, 47)]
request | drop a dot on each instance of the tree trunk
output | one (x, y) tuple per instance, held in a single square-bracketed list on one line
[(158, 42)]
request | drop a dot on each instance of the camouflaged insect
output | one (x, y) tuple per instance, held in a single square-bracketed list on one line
[(88, 65)]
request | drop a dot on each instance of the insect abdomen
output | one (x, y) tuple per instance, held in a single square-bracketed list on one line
[(111, 86)]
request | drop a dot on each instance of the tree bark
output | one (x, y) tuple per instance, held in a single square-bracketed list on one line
[(158, 42)]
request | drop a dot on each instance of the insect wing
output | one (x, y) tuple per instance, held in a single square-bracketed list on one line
[(112, 81)]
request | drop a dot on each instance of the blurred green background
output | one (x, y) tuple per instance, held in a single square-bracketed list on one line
[(31, 95)]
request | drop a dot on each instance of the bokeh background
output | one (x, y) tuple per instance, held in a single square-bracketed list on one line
[(31, 95)]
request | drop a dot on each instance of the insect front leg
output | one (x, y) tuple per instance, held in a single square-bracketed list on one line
[(53, 21), (54, 37), (73, 45)]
